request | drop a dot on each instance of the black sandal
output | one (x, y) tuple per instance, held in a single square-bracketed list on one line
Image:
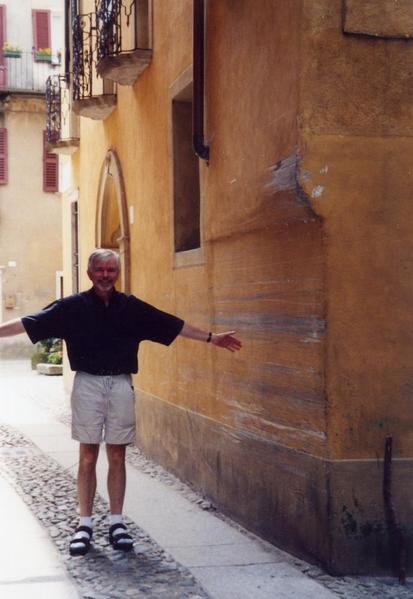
[(80, 545), (117, 539)]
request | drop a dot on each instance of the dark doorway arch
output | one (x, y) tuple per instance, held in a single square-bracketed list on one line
[(112, 222)]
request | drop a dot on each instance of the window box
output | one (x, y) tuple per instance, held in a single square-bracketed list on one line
[(43, 57), (12, 53)]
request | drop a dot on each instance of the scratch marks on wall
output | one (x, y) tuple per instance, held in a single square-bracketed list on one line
[(270, 324), (269, 287), (307, 433)]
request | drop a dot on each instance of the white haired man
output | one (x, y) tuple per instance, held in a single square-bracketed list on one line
[(102, 329)]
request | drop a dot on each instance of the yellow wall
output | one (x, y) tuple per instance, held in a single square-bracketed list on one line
[(305, 252), (241, 225), (356, 122)]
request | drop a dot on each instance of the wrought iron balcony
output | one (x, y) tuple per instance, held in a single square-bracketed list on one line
[(61, 124), (25, 72), (93, 96), (123, 39)]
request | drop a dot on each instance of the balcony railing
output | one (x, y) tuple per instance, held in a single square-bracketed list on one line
[(54, 108), (123, 39), (61, 124), (93, 96), (25, 71)]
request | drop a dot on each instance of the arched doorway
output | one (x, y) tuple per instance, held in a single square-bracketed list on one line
[(112, 224)]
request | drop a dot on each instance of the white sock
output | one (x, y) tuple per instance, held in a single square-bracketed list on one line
[(86, 521), (118, 519), (82, 534)]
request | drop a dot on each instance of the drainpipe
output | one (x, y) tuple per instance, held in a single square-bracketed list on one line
[(200, 149), (68, 27)]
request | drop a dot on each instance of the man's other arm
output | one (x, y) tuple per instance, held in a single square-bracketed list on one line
[(12, 327), (226, 340)]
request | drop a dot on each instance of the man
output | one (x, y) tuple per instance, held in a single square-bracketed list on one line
[(102, 329)]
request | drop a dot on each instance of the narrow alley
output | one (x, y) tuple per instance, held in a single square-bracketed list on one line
[(183, 548)]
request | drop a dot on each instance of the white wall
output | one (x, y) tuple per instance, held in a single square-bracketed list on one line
[(19, 30)]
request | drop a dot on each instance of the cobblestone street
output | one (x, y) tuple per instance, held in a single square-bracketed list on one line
[(145, 572), (152, 570)]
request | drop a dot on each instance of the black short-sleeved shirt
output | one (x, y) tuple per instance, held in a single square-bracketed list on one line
[(103, 339)]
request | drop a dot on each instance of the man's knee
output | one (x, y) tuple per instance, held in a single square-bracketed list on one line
[(116, 454), (88, 455)]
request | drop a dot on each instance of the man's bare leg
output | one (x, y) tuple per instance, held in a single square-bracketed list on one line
[(86, 477), (86, 489), (118, 535), (116, 476)]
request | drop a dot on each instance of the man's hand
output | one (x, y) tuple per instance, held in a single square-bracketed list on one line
[(226, 340)]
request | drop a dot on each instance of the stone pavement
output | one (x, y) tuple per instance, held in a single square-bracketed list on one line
[(184, 548)]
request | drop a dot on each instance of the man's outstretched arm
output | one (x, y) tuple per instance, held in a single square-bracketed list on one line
[(12, 327), (226, 340)]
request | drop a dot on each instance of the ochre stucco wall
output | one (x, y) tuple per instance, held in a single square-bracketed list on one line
[(262, 271), (357, 117), (355, 122), (305, 216)]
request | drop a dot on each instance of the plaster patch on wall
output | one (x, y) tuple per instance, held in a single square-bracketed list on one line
[(283, 174), (317, 191)]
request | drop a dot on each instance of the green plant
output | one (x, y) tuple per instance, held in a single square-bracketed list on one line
[(10, 48), (43, 55), (48, 351), (55, 358)]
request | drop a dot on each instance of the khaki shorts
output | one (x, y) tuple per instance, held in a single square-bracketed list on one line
[(103, 409)]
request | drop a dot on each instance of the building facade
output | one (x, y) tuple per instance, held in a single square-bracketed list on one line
[(31, 41), (291, 226)]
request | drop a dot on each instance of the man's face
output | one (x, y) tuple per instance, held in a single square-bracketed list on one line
[(104, 274)]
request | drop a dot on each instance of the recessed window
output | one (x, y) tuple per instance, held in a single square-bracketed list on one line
[(186, 187)]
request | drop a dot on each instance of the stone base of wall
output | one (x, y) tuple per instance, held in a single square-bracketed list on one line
[(330, 513)]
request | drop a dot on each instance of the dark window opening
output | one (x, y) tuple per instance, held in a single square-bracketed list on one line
[(186, 187)]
